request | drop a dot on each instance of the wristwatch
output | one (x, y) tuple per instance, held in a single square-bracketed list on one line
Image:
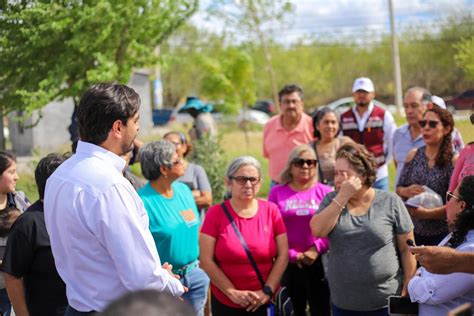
[(267, 290)]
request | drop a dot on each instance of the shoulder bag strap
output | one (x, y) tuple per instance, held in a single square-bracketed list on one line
[(320, 171), (244, 244)]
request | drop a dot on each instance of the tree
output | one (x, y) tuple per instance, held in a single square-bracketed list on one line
[(256, 18), (465, 57), (52, 50)]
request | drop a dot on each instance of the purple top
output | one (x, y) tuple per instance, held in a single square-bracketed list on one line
[(297, 209)]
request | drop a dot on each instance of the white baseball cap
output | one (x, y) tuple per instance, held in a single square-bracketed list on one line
[(363, 84), (438, 101)]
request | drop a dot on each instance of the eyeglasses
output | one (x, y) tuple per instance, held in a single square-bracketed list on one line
[(450, 195), (288, 101), (243, 180), (300, 162), (431, 124)]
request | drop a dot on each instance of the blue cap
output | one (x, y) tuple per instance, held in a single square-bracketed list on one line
[(195, 103)]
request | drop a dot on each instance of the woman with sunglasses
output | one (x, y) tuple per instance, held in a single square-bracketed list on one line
[(195, 176), (432, 166), (235, 288), (298, 197), (174, 218), (367, 229), (437, 294), (327, 142)]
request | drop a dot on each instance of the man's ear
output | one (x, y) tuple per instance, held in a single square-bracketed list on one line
[(117, 127)]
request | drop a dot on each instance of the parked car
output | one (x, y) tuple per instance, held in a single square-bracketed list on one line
[(265, 106), (462, 102), (252, 116), (342, 105)]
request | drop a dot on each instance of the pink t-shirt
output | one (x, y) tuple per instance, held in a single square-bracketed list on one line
[(258, 231), (277, 142), (297, 209), (464, 167)]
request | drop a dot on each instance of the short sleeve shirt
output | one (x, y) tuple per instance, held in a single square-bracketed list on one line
[(364, 268), (259, 233), (28, 255), (195, 178), (174, 223)]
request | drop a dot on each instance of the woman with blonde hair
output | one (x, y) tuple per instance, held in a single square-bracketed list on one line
[(298, 198)]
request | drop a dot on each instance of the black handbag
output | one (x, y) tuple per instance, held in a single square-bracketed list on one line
[(282, 302)]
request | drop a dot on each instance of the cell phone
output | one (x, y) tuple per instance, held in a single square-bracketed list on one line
[(401, 305)]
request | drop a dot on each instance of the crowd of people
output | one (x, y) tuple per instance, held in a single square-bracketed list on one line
[(100, 241)]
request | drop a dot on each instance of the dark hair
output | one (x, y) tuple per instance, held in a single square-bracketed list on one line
[(318, 116), (147, 303), (45, 168), (6, 160), (101, 106), (7, 217), (361, 160), (289, 89), (183, 140), (465, 219), (445, 152)]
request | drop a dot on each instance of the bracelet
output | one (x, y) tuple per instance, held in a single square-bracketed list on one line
[(338, 203)]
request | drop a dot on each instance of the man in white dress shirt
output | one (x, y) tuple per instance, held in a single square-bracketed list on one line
[(97, 224)]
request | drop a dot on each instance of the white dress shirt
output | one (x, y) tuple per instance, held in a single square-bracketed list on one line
[(99, 232), (440, 293), (389, 127)]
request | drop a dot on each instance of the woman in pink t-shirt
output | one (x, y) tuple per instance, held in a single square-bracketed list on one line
[(236, 289), (298, 198)]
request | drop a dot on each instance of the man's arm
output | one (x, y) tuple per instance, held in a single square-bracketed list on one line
[(16, 293), (123, 229), (444, 260), (389, 128)]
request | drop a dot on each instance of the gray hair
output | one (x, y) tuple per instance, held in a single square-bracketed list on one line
[(286, 176), (425, 94), (154, 155), (241, 161)]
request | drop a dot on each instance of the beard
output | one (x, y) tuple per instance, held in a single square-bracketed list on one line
[(126, 146), (363, 104)]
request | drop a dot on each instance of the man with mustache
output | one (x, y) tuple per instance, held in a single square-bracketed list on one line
[(371, 126), (290, 128)]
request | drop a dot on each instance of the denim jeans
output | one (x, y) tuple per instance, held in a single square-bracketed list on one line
[(381, 184), (336, 311), (197, 282), (5, 305)]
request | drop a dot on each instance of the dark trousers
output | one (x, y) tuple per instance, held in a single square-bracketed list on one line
[(219, 309), (336, 311), (308, 286), (70, 311)]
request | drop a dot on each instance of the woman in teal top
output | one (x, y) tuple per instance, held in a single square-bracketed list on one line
[(174, 218)]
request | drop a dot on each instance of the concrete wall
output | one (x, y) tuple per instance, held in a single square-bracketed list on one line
[(52, 132)]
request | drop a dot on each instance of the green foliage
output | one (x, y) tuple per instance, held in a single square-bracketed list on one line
[(208, 153), (53, 50), (465, 57), (229, 77)]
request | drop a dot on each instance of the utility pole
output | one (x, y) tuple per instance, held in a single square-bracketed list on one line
[(397, 76)]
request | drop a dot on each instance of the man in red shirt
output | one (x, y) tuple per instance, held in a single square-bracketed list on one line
[(290, 128)]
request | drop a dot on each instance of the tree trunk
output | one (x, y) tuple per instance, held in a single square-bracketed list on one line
[(2, 135)]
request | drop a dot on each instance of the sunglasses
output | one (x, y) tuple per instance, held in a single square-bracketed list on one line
[(300, 162), (430, 123), (243, 180), (450, 195)]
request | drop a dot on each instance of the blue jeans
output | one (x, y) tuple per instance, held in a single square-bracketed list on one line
[(5, 305), (197, 282), (381, 184), (336, 311)]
